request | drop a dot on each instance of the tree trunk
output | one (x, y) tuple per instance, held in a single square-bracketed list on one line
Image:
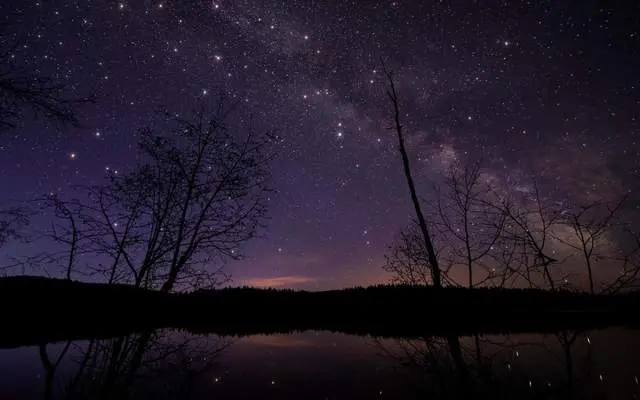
[(464, 376), (431, 255), (548, 275), (167, 286), (569, 369), (587, 258)]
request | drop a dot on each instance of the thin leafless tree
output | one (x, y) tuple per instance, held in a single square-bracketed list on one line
[(25, 92), (407, 259), (11, 222), (470, 229), (392, 94), (65, 230), (467, 230), (503, 240), (529, 227), (629, 262), (199, 192), (590, 223)]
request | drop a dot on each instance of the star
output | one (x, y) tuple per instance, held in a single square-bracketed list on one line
[(539, 103)]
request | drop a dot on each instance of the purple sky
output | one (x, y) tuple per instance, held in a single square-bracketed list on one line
[(536, 88)]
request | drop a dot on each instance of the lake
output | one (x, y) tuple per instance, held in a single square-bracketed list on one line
[(599, 364)]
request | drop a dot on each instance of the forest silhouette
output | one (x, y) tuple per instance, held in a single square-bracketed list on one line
[(76, 310)]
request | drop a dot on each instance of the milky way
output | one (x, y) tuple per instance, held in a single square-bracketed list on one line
[(537, 89)]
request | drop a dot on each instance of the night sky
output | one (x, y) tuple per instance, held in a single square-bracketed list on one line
[(541, 89)]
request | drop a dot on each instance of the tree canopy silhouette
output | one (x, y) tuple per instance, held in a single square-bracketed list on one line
[(198, 193), (25, 92)]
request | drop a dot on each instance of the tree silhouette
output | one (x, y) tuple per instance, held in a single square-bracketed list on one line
[(505, 238), (468, 228), (24, 91), (629, 260), (11, 220), (198, 193), (152, 364), (589, 224), (435, 368), (529, 223), (392, 94), (471, 229), (407, 260)]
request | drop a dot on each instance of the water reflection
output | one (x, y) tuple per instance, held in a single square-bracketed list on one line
[(320, 365), (565, 365), (153, 364)]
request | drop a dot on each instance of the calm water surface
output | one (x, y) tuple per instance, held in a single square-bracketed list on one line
[(602, 364)]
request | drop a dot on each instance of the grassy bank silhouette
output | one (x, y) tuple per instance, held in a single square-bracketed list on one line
[(38, 310)]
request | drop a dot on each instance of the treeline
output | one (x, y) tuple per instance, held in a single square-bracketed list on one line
[(412, 310), (41, 309), (402, 295)]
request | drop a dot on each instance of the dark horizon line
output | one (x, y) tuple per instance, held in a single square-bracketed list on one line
[(46, 310), (388, 285)]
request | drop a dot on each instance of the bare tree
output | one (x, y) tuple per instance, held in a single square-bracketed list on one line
[(434, 266), (629, 262), (468, 231), (529, 225), (590, 223), (197, 195), (510, 261), (407, 260), (63, 238), (11, 220), (505, 239), (65, 231), (23, 91), (470, 228)]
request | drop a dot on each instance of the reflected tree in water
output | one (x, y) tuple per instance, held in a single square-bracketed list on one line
[(154, 364), (452, 368)]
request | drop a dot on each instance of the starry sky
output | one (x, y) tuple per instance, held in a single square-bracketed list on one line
[(541, 89)]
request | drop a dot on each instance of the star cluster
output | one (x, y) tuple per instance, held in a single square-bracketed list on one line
[(535, 88)]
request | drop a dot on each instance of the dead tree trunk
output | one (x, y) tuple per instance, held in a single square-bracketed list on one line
[(433, 260)]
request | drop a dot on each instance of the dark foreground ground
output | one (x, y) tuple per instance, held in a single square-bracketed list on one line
[(38, 310)]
